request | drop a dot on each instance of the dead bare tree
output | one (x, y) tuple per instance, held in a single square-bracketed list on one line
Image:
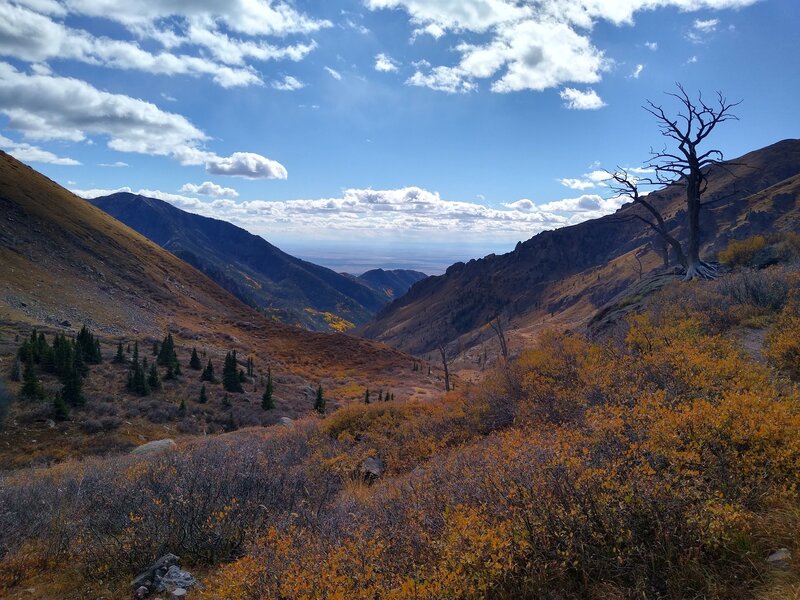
[(446, 367), (623, 184), (497, 327), (688, 165)]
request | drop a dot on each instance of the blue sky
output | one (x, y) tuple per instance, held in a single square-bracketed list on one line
[(410, 128)]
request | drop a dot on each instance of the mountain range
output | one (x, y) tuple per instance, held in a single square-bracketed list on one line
[(286, 288)]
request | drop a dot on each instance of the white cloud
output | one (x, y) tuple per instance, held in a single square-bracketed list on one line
[(589, 180), (334, 73), (651, 46), (47, 107), (246, 164), (406, 210), (209, 188), (384, 63), (637, 71), (525, 44), (581, 100), (28, 153), (701, 30), (288, 84), (116, 165), (36, 31)]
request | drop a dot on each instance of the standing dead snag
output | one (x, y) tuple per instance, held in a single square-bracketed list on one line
[(443, 352), (497, 327), (625, 185), (688, 165)]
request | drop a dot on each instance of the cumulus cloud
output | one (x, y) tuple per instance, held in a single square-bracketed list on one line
[(637, 71), (581, 100), (406, 210), (37, 32), (246, 164), (591, 179), (524, 44), (653, 46), (385, 64), (28, 153), (209, 188), (48, 107), (288, 84)]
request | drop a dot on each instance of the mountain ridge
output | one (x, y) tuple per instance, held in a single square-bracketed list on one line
[(257, 272), (560, 276)]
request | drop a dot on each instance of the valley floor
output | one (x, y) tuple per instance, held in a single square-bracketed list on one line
[(659, 461)]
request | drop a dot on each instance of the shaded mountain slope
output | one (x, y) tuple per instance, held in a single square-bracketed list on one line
[(561, 277), (65, 262), (392, 283), (255, 271)]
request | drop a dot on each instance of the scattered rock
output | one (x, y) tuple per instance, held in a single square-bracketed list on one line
[(286, 421), (373, 468), (159, 568), (51, 423), (178, 594), (66, 324), (175, 578), (779, 558), (156, 446), (141, 593)]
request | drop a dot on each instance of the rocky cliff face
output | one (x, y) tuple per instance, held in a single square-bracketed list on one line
[(570, 272)]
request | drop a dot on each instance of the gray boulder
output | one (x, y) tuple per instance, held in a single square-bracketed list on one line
[(372, 468), (159, 568), (155, 447), (780, 558), (286, 421), (176, 578)]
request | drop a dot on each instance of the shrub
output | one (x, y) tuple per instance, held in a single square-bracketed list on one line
[(743, 252)]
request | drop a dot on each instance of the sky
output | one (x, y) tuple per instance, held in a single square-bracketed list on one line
[(364, 133)]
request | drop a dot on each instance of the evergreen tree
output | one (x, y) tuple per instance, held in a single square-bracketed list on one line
[(153, 379), (319, 403), (194, 362), (226, 401), (267, 403), (208, 373), (380, 395), (135, 357), (31, 386), (182, 407), (156, 349), (72, 392), (203, 396), (60, 408), (230, 376), (366, 397), (242, 376), (88, 346), (167, 352), (16, 370), (120, 357), (230, 424)]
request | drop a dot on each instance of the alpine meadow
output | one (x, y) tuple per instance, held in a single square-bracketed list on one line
[(399, 300)]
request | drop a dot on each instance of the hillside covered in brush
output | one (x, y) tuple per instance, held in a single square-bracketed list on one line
[(660, 460), (65, 263), (261, 275), (561, 277)]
